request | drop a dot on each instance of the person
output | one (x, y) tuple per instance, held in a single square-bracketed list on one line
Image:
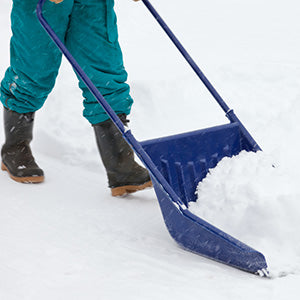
[(89, 30)]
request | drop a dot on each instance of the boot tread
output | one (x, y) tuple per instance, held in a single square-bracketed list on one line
[(128, 189), (29, 179)]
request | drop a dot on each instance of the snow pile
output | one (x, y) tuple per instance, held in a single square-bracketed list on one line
[(250, 199)]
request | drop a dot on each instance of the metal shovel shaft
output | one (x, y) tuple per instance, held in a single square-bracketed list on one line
[(187, 56), (128, 136), (77, 68), (229, 112)]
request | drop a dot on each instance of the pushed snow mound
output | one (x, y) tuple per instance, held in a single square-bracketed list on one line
[(250, 199)]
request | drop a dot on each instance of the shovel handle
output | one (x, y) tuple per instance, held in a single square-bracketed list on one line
[(186, 55), (229, 112), (128, 136), (78, 69)]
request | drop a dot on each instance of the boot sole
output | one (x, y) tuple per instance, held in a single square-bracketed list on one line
[(33, 179), (128, 189)]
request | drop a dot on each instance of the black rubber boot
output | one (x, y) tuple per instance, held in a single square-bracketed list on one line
[(124, 174), (16, 154)]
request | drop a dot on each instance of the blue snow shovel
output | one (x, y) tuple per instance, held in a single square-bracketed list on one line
[(177, 163)]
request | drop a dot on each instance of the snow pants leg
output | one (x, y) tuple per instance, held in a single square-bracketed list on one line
[(88, 27), (34, 59), (92, 38)]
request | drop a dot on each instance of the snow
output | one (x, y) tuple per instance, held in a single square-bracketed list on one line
[(69, 239), (256, 202)]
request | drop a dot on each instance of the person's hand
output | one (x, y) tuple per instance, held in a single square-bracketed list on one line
[(57, 1)]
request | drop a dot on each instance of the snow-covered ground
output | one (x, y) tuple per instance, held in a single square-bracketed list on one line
[(69, 239)]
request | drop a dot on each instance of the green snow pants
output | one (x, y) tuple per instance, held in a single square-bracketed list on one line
[(89, 30)]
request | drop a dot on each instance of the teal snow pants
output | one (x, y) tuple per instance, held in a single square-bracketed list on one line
[(89, 30)]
